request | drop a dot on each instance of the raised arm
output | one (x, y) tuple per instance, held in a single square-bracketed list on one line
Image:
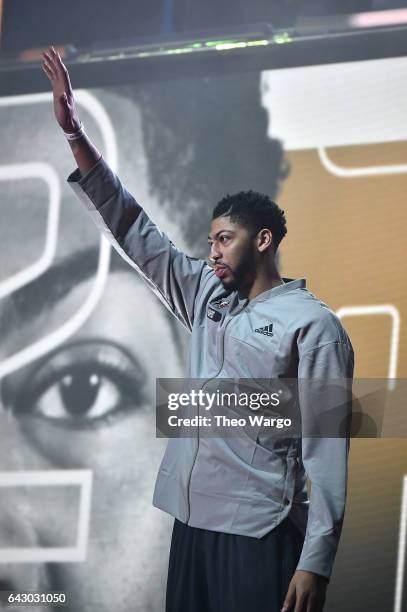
[(178, 280)]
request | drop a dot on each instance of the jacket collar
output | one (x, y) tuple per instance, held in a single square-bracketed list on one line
[(289, 285)]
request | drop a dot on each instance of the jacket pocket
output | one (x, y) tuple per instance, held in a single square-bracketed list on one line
[(268, 473)]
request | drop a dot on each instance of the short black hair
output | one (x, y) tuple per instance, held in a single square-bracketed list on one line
[(255, 211)]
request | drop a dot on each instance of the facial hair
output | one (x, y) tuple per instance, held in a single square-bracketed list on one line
[(243, 274)]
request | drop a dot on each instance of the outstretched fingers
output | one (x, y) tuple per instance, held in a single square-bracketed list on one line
[(48, 63), (47, 71), (53, 61), (56, 58), (58, 67)]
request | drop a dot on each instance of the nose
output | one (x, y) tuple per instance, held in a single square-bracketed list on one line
[(214, 253), (15, 532)]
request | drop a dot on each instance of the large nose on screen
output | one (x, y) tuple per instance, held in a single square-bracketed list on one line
[(44, 515), (16, 533), (17, 525)]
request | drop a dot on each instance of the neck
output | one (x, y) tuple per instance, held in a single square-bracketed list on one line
[(264, 280), (260, 287)]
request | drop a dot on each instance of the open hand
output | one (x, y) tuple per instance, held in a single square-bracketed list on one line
[(306, 593), (64, 101)]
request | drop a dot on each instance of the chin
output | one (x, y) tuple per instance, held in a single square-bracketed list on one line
[(229, 284)]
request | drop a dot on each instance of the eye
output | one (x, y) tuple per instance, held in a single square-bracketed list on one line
[(79, 387), (79, 394), (224, 238)]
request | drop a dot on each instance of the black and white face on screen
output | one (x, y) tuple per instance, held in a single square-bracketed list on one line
[(78, 448)]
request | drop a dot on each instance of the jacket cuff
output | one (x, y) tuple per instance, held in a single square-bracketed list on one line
[(320, 556), (95, 187), (314, 568), (98, 169)]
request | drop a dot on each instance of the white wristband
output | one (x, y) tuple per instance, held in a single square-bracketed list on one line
[(75, 135)]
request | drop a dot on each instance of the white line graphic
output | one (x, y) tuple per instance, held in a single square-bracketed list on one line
[(54, 339), (401, 557), (53, 478), (83, 478), (342, 172), (380, 309), (46, 173)]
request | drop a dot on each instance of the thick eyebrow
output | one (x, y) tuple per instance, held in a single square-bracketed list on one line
[(219, 232), (43, 293)]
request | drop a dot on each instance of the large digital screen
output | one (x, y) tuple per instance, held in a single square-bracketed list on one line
[(83, 337)]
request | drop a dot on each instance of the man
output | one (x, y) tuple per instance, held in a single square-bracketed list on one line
[(112, 434), (234, 544)]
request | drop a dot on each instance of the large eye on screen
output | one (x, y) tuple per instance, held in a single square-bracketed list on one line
[(81, 385)]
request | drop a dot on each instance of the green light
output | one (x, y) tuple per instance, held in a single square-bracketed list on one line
[(228, 46), (257, 43), (215, 43), (191, 47), (177, 51), (282, 38)]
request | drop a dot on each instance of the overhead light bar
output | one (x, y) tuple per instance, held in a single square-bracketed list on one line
[(196, 42)]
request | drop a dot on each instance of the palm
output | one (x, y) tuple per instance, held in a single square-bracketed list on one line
[(64, 102)]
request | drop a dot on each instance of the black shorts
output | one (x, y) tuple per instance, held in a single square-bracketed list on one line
[(211, 571)]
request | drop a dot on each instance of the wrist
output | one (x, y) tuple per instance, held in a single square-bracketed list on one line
[(319, 577), (75, 132), (72, 126)]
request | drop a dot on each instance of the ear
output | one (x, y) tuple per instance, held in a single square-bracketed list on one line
[(264, 239)]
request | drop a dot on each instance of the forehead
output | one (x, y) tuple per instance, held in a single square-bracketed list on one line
[(224, 223)]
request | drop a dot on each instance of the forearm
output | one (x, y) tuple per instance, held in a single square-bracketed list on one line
[(85, 152), (173, 276)]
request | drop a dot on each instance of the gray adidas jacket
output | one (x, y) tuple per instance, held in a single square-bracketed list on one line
[(237, 485)]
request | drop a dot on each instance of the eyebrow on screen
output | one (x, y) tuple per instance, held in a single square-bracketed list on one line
[(50, 288)]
